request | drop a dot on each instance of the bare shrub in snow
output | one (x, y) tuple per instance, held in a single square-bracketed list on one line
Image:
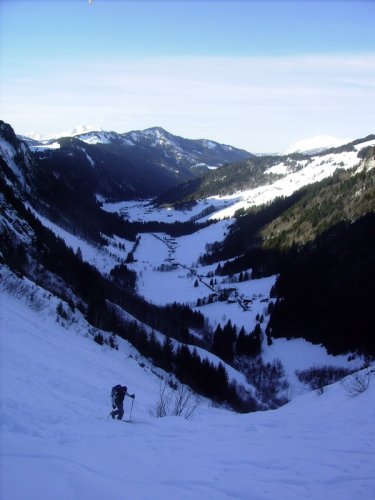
[(23, 289), (35, 302), (185, 402), (319, 376), (14, 286), (174, 400), (269, 379), (358, 382)]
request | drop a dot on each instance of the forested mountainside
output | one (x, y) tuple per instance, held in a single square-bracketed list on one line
[(345, 196), (321, 242), (264, 170), (301, 217)]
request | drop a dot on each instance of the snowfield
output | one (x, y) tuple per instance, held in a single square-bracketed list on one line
[(57, 442), (145, 211)]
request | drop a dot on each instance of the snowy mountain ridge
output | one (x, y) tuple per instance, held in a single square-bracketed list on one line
[(77, 130), (316, 144), (135, 164), (189, 152)]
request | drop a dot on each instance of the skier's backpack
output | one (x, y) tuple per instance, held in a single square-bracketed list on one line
[(115, 392)]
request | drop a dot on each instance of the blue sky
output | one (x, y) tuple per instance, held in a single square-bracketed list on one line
[(258, 75)]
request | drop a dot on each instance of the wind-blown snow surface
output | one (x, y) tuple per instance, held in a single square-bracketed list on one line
[(57, 442)]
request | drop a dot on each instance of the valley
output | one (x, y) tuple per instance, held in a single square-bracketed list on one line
[(187, 250), (204, 295)]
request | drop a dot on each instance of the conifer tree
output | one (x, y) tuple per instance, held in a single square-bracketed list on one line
[(167, 354)]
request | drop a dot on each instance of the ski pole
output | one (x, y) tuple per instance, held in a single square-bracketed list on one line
[(131, 409)]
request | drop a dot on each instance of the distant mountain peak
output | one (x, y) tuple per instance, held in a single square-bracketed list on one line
[(156, 130), (77, 130), (316, 144)]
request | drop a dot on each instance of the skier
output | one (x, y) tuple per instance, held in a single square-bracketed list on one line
[(118, 394)]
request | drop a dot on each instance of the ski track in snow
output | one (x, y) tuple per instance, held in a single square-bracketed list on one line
[(55, 385)]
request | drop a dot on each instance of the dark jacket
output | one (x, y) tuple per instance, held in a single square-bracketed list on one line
[(118, 394)]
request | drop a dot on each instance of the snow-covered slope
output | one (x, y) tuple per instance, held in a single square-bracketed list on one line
[(316, 144), (57, 442), (294, 174)]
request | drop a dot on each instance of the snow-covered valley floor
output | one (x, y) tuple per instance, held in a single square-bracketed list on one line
[(57, 442)]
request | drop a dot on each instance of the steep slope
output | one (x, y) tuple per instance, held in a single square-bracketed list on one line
[(324, 289), (345, 196), (57, 441), (18, 167)]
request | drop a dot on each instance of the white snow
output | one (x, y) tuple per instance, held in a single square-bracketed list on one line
[(316, 144), (209, 144), (297, 354), (128, 142), (96, 138), (256, 290), (362, 145), (45, 147), (77, 130), (57, 442), (90, 160), (279, 169)]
